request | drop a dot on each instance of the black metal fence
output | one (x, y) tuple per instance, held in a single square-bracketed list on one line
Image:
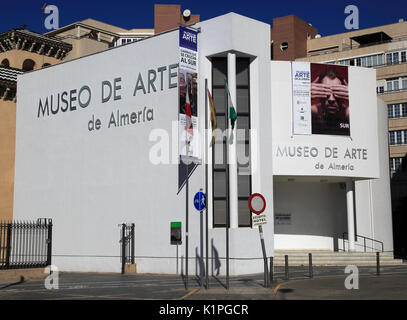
[(25, 244), (127, 244)]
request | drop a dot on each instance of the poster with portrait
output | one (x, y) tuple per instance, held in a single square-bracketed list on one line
[(330, 99), (320, 99)]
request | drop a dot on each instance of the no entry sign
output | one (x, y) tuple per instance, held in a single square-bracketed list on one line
[(257, 205)]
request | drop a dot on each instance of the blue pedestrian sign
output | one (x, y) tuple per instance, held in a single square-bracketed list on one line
[(200, 201)]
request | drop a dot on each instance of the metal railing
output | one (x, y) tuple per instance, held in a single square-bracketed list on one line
[(25, 244), (364, 242)]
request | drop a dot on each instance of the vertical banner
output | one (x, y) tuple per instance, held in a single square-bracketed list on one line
[(301, 83), (189, 145), (320, 99), (188, 130)]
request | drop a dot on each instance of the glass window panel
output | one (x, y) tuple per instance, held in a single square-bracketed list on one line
[(374, 60), (398, 135), (363, 62), (220, 124), (243, 155), (219, 184), (219, 67), (389, 59), (244, 213), (404, 83), (219, 157), (403, 56), (218, 96), (358, 62), (380, 59), (242, 71), (243, 125), (404, 109), (368, 61), (396, 110), (395, 57), (391, 138), (219, 213), (396, 84), (390, 111), (242, 97), (389, 85), (243, 185)]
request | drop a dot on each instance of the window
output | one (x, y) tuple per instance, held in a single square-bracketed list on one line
[(284, 46), (404, 110), (28, 65), (395, 58), (392, 138), (403, 56), (389, 59), (380, 89), (396, 108), (396, 164), (399, 139), (404, 83), (5, 63), (392, 84), (219, 74), (390, 111), (379, 59)]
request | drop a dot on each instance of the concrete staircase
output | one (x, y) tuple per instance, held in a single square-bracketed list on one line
[(330, 258)]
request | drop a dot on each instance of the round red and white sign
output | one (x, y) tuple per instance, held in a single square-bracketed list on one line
[(257, 203)]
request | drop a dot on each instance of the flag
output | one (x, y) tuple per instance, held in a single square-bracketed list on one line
[(188, 115), (213, 117), (232, 114)]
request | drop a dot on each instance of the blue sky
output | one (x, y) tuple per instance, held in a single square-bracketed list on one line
[(327, 16)]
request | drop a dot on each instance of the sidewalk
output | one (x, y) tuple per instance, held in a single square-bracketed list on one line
[(328, 283)]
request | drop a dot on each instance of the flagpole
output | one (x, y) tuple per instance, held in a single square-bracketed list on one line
[(227, 184), (206, 182), (186, 210)]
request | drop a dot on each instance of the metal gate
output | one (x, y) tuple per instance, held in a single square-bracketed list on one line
[(127, 245), (25, 244)]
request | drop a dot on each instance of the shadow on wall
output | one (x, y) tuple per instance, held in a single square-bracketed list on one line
[(310, 208), (399, 209), (216, 263)]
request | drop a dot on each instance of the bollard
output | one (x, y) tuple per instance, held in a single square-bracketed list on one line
[(266, 284), (286, 268), (271, 271), (378, 263), (311, 273)]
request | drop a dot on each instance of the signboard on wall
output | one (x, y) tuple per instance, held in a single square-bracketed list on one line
[(320, 99), (282, 218)]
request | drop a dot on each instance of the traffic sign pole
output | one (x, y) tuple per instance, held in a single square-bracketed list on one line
[(258, 211)]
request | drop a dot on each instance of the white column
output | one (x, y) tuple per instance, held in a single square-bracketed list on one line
[(350, 211), (234, 221)]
